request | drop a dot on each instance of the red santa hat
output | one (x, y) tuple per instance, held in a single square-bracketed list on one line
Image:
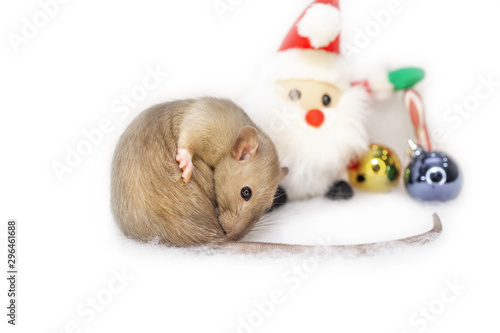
[(317, 28), (311, 51)]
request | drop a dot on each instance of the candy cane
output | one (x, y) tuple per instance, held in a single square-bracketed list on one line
[(413, 103)]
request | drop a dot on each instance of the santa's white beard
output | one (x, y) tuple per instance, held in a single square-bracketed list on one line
[(316, 157)]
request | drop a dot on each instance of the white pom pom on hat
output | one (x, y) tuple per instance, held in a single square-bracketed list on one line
[(317, 28), (311, 51), (320, 24)]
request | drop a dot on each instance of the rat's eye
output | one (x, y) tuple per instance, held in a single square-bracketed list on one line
[(326, 100), (294, 94), (246, 193)]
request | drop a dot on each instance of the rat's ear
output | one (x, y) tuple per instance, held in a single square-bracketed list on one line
[(284, 172), (246, 144)]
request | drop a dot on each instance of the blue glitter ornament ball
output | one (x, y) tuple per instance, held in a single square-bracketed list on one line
[(432, 175)]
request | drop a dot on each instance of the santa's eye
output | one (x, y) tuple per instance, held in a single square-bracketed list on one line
[(294, 94), (326, 100)]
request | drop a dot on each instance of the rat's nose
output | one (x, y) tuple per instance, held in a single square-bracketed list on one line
[(315, 117), (232, 233), (229, 224)]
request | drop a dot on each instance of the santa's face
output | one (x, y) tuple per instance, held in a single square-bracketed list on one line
[(314, 97), (316, 149)]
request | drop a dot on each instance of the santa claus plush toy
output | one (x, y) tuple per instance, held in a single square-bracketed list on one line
[(315, 115)]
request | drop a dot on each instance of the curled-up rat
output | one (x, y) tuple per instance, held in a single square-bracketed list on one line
[(192, 172), (200, 172)]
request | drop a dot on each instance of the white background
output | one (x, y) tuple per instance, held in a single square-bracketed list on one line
[(65, 80)]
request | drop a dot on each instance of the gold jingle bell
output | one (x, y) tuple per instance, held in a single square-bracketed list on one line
[(377, 171)]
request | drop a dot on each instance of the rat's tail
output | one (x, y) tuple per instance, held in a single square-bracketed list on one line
[(275, 249)]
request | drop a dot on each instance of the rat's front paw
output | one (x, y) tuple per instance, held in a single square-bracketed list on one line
[(185, 163)]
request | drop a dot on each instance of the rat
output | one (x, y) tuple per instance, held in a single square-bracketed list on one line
[(193, 172), (199, 172)]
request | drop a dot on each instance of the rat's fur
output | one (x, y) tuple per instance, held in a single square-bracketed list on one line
[(149, 199)]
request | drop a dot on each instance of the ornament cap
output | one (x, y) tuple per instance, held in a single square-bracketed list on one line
[(415, 149)]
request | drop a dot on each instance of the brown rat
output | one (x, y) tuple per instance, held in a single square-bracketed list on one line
[(227, 163), (200, 172)]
